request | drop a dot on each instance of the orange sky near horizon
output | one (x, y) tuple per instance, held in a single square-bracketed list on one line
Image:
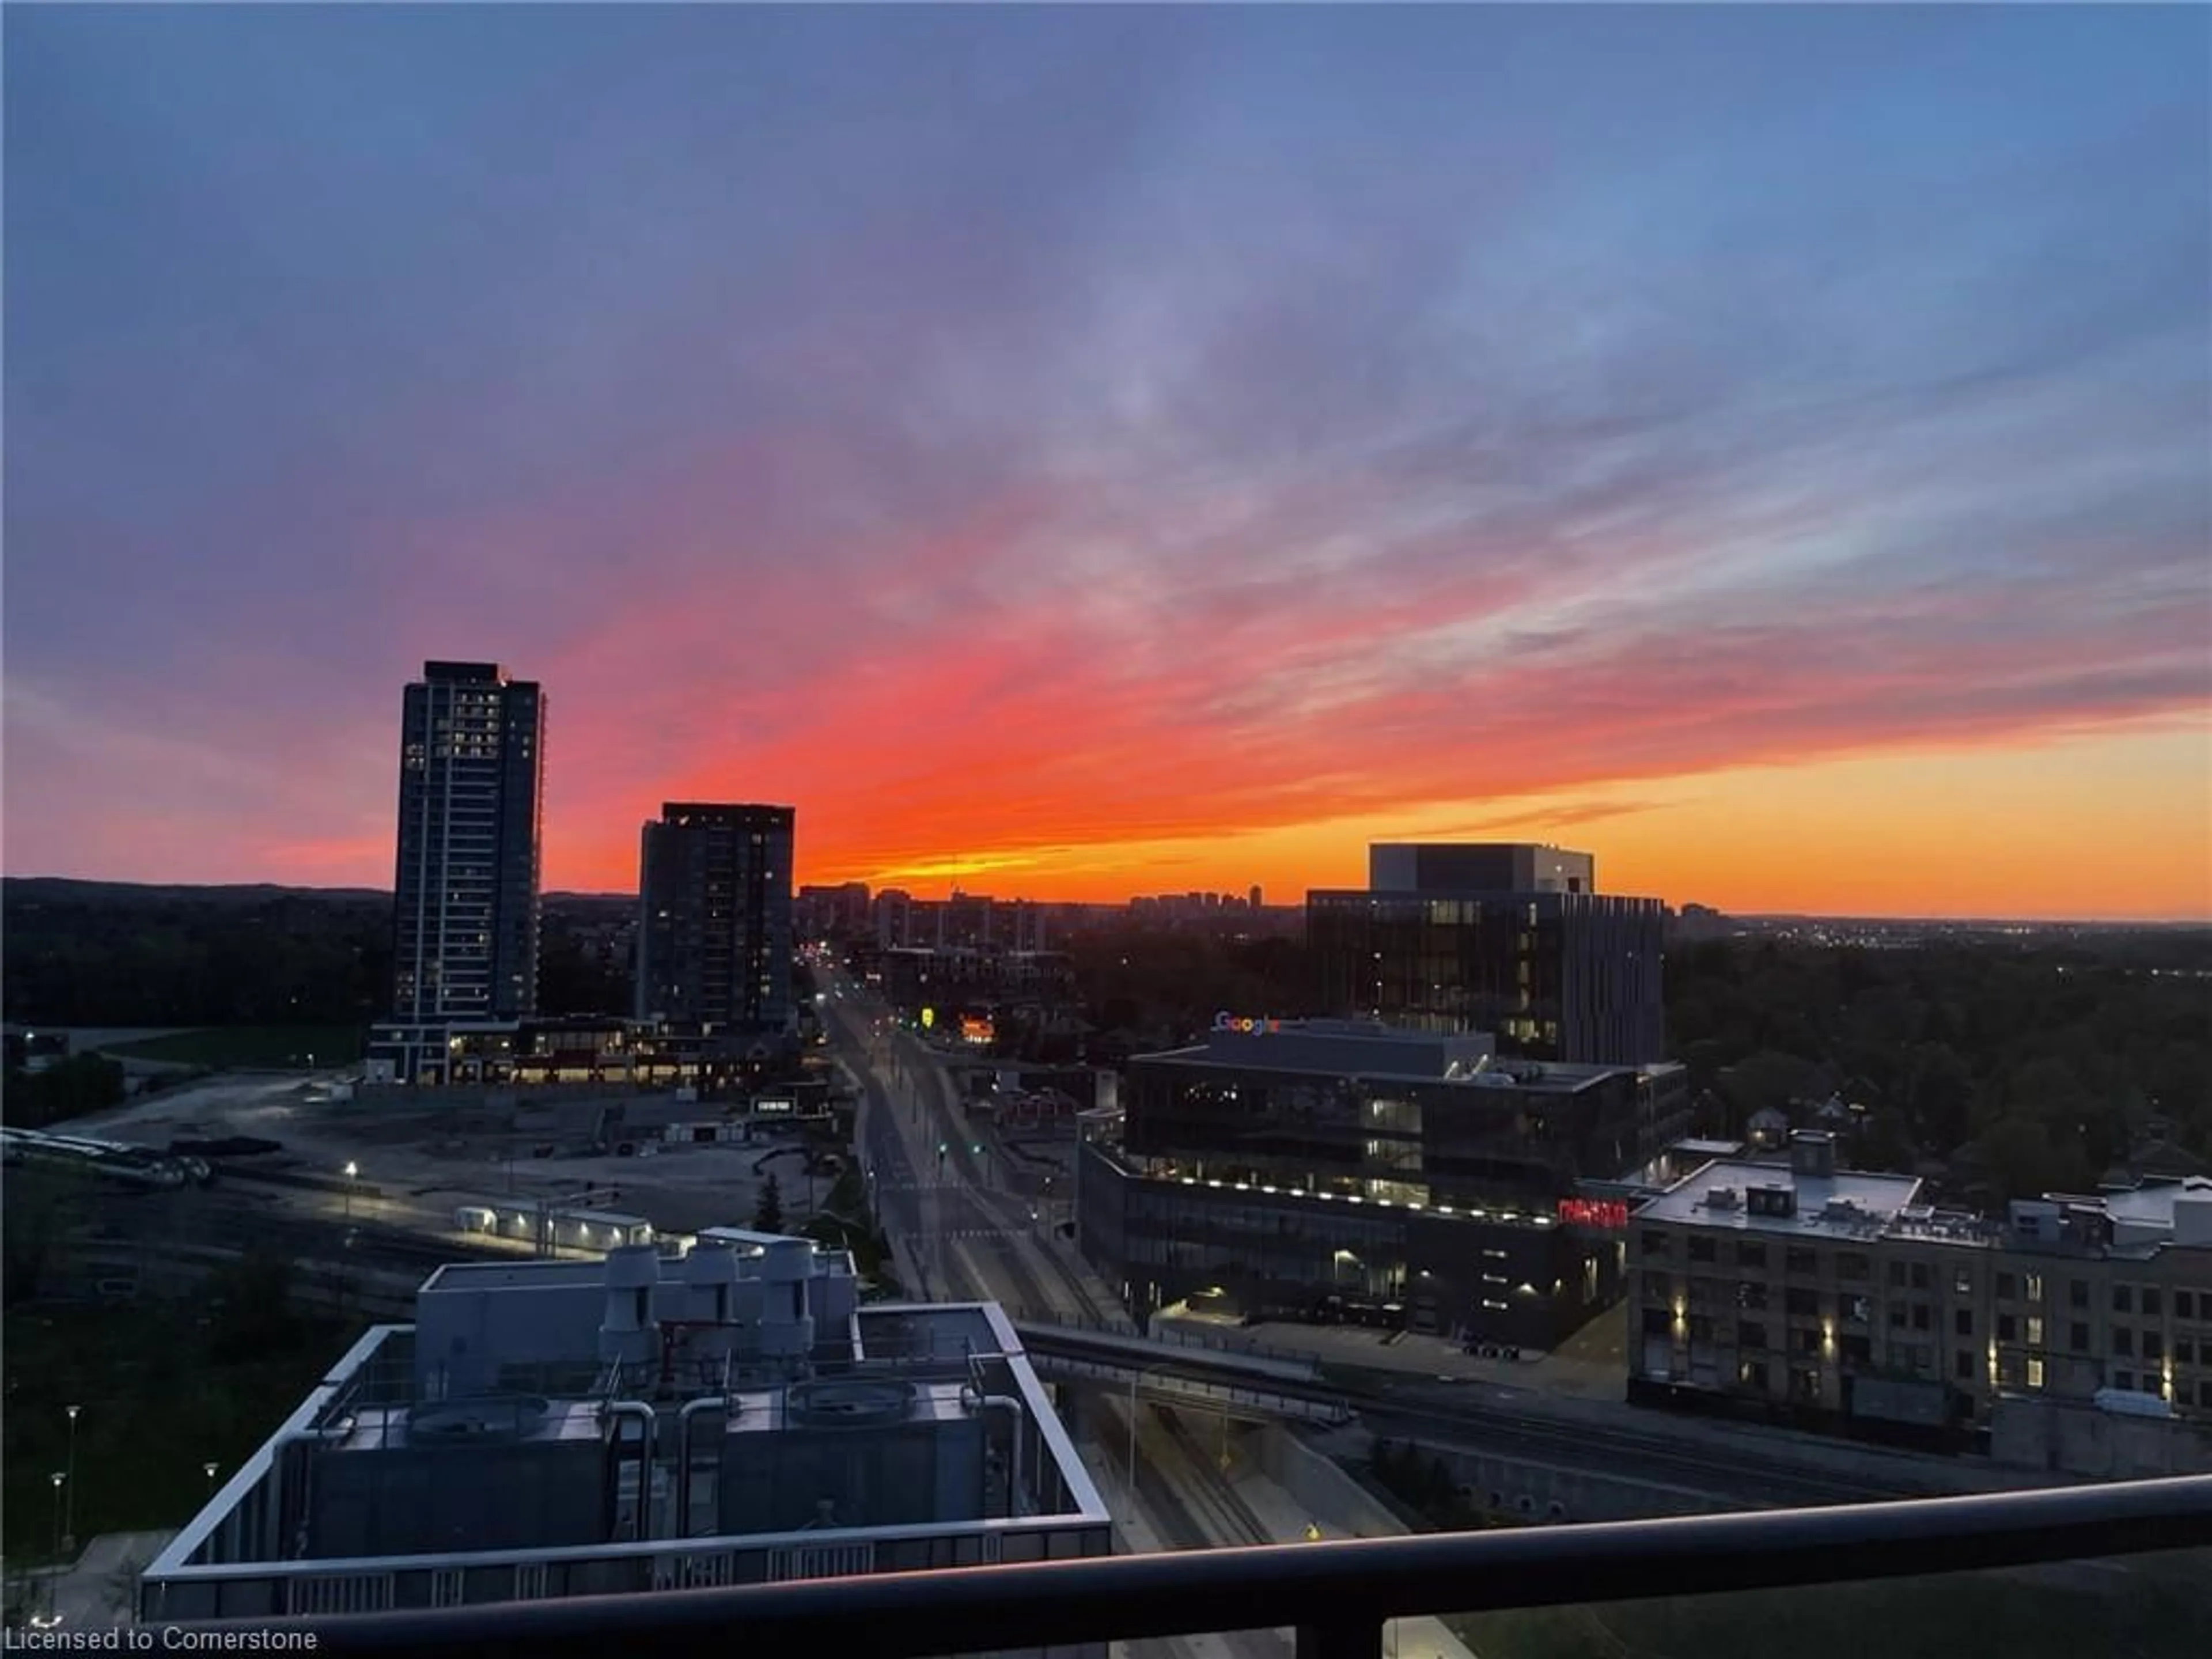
[(2105, 827)]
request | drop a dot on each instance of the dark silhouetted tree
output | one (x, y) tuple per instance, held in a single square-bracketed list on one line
[(767, 1210)]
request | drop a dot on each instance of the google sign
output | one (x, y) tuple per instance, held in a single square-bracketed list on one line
[(1245, 1025)]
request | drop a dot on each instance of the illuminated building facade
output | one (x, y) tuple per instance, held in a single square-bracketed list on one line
[(582, 1050), (1832, 1297), (715, 917), (1510, 939), (471, 785), (465, 882), (1341, 1170)]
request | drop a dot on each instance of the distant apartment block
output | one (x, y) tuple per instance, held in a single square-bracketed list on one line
[(465, 899), (1838, 1298), (715, 917), (839, 912), (1506, 938), (965, 922)]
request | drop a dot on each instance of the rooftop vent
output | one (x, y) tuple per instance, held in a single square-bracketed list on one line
[(1771, 1200), (477, 1422), (1812, 1153), (849, 1403), (1723, 1198)]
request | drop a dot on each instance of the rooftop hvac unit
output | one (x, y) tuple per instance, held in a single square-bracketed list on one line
[(710, 1280), (1723, 1198), (787, 1322), (628, 1331), (1771, 1200)]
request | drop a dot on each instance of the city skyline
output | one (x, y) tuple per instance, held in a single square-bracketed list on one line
[(1770, 449)]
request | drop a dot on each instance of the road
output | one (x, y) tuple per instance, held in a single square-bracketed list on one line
[(931, 1189), (969, 1240), (934, 1193)]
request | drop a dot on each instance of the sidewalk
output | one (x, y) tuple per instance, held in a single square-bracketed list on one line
[(99, 1589), (921, 1259), (1135, 1535)]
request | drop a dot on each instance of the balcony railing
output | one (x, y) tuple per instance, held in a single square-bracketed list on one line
[(1337, 1596)]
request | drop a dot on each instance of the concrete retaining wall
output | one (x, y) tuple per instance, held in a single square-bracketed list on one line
[(1522, 1489), (1331, 1496), (1539, 1491), (2064, 1437)]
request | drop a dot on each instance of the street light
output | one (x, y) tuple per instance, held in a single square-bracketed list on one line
[(60, 1481), (209, 1470), (352, 1169), (69, 1483)]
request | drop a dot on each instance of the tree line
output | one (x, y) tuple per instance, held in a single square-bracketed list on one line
[(97, 954), (2018, 1064)]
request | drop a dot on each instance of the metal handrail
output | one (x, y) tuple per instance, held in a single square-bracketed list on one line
[(1337, 1594)]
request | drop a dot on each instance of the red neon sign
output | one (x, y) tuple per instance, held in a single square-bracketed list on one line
[(1611, 1212)]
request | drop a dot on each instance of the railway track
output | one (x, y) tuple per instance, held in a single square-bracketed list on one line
[(1232, 1519), (1622, 1453), (1724, 1473)]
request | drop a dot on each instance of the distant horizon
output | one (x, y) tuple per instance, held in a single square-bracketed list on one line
[(1674, 907), (1127, 449)]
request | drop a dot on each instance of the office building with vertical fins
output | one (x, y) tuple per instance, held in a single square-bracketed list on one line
[(1508, 939), (715, 918), (466, 884)]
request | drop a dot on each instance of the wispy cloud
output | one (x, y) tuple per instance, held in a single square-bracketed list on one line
[(1025, 440)]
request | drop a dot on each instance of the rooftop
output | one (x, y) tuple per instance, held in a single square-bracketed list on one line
[(1846, 1204), (1766, 1195), (547, 1428), (1368, 1049), (1397, 900), (2154, 1204)]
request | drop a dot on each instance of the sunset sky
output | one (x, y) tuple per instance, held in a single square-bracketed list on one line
[(1098, 451)]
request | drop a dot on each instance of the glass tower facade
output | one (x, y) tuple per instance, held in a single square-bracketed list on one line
[(465, 890)]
